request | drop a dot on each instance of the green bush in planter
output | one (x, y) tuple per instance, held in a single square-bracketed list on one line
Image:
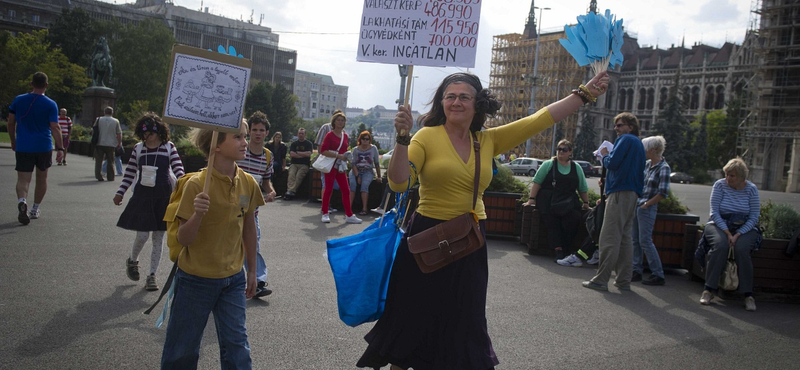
[(779, 221), (672, 205), (186, 147), (504, 181), (80, 133)]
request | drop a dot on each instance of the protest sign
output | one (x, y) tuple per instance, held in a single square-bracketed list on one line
[(206, 89), (437, 33)]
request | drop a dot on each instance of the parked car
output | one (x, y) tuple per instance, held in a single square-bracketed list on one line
[(588, 169), (385, 158), (523, 166), (681, 177)]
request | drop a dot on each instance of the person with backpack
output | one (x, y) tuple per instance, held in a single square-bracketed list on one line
[(157, 163), (258, 162), (217, 229)]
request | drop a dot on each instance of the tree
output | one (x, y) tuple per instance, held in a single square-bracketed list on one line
[(674, 127), (722, 134), (30, 53), (75, 32), (141, 57), (586, 141), (276, 102), (700, 144)]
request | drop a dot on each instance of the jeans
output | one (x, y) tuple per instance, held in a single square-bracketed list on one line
[(642, 235), (196, 297), (117, 162), (718, 256), (261, 265), (366, 179)]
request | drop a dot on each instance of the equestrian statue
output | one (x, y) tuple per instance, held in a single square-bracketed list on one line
[(101, 63)]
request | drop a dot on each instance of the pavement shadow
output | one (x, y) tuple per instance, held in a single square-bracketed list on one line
[(9, 226), (84, 183), (89, 317)]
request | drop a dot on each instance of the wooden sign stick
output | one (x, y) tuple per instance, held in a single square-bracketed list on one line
[(408, 91), (211, 153)]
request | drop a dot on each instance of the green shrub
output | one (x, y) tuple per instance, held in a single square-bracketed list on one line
[(672, 205), (186, 147), (504, 181), (80, 133), (779, 221), (701, 176), (593, 198)]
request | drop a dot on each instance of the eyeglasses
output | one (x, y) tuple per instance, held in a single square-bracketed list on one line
[(563, 150), (619, 125), (364, 138), (463, 98)]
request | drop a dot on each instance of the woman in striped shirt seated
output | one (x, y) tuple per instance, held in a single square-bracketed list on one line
[(735, 207)]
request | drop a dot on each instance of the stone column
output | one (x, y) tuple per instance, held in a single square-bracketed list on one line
[(95, 100), (793, 185)]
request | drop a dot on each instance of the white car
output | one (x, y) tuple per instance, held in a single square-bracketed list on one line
[(384, 159), (524, 166)]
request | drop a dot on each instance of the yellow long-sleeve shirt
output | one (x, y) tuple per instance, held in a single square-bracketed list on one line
[(446, 182)]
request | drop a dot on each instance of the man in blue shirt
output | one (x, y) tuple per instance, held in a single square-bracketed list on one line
[(32, 127), (624, 184)]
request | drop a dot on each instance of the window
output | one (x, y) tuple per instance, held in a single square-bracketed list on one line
[(650, 98), (630, 99), (695, 101), (35, 18), (709, 104), (622, 98), (313, 105), (720, 99), (662, 98), (12, 13), (642, 99)]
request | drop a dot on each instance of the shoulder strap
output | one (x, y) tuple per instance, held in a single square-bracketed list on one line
[(477, 146), (555, 163)]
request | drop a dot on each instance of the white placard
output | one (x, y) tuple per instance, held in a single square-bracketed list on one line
[(437, 33), (206, 89)]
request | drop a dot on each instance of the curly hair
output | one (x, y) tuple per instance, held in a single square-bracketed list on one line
[(630, 120), (486, 104), (258, 117), (151, 122)]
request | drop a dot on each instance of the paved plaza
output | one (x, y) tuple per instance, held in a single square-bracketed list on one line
[(66, 303)]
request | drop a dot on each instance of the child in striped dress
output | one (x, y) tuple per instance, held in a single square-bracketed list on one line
[(157, 163)]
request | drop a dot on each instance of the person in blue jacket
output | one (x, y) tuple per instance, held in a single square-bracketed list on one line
[(624, 184)]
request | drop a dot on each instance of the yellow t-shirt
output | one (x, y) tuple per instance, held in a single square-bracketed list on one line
[(446, 182), (217, 251)]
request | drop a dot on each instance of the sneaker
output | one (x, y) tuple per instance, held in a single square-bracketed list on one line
[(60, 164), (23, 217), (654, 280), (64, 162), (622, 287), (352, 220), (378, 210), (750, 304), (132, 269), (595, 258), (326, 218), (262, 290), (636, 276), (706, 297), (595, 286), (150, 284), (571, 260), (35, 214), (289, 193)]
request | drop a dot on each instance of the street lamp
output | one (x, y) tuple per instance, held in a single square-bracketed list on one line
[(558, 95), (532, 109)]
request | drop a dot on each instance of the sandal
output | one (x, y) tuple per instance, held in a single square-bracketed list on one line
[(362, 213)]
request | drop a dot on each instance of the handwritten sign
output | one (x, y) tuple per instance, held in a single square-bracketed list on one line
[(206, 89), (420, 32)]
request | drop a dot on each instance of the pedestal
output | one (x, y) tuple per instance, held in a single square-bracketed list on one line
[(95, 101)]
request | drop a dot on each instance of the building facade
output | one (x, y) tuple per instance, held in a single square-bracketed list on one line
[(317, 95)]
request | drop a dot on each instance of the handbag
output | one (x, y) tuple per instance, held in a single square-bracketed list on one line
[(563, 206), (451, 240), (326, 164), (96, 131), (362, 263), (729, 280)]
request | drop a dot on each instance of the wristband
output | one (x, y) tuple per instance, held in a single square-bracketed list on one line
[(403, 140), (60, 149)]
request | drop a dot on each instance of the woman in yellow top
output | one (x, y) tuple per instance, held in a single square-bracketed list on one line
[(438, 320)]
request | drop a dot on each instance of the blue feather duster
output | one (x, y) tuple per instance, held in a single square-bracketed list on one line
[(596, 39)]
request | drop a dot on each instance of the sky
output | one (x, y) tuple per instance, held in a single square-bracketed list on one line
[(325, 35)]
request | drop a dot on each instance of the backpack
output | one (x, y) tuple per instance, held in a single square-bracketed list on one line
[(171, 216)]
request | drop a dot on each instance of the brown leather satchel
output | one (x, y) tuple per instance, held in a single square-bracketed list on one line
[(451, 240)]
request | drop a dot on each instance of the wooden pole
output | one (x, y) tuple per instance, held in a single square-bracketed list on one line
[(211, 153), (408, 92)]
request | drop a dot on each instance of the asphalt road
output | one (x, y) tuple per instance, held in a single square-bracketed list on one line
[(65, 302)]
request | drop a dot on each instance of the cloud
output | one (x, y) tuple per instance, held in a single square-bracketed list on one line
[(717, 12)]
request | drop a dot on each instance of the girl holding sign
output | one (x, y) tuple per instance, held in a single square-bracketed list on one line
[(437, 320)]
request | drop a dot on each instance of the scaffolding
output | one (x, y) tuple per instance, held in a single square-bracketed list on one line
[(558, 74), (769, 131)]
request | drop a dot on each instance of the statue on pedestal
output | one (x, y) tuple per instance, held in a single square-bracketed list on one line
[(101, 63)]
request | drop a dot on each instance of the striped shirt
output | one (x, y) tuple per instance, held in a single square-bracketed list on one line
[(257, 164), (726, 200), (65, 123), (656, 181), (142, 156)]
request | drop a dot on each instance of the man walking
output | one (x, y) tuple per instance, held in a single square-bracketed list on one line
[(110, 138), (32, 142), (65, 123), (624, 184), (300, 152)]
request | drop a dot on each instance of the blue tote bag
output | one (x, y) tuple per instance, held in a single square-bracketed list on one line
[(361, 266)]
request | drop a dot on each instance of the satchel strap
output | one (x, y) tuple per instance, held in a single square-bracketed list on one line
[(477, 146)]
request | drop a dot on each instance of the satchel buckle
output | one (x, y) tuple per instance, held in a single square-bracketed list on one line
[(444, 244)]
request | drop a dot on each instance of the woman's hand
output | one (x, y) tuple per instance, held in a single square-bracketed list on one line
[(531, 201), (599, 84), (585, 206), (403, 121), (732, 239), (118, 199)]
